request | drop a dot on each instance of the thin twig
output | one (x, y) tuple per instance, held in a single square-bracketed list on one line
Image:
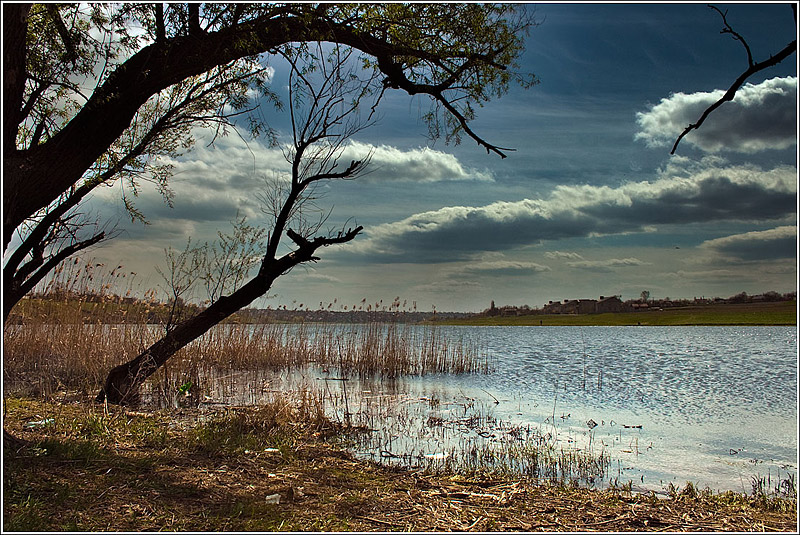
[(378, 521), (474, 523)]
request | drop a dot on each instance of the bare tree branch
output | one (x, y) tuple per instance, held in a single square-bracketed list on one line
[(396, 79), (36, 269), (66, 38), (306, 247), (161, 33), (736, 35), (753, 68)]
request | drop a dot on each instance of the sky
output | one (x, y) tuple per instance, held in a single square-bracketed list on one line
[(589, 203)]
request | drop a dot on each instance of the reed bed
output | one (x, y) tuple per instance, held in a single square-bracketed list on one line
[(73, 330), (40, 359), (54, 349), (70, 334), (52, 355)]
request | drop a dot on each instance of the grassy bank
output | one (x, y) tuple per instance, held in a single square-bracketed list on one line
[(781, 313), (281, 467)]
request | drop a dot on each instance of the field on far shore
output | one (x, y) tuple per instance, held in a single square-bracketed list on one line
[(779, 313)]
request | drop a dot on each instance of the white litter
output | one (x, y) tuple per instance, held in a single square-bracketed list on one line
[(40, 423)]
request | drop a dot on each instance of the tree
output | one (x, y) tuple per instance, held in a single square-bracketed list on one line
[(194, 64), (752, 68), (324, 104), (645, 296), (162, 126)]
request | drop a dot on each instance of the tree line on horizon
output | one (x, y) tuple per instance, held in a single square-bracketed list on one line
[(645, 303)]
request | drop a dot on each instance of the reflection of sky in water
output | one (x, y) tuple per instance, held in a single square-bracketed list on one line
[(716, 405)]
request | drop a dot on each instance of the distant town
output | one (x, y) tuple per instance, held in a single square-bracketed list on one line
[(614, 303)]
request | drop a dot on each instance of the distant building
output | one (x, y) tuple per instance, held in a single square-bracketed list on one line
[(552, 307), (579, 306), (585, 306), (609, 304)]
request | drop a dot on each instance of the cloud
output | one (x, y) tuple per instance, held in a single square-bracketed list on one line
[(606, 266), (705, 276), (502, 267), (308, 275), (414, 165), (448, 287), (212, 182), (231, 170), (772, 244), (562, 254), (760, 117), (683, 194)]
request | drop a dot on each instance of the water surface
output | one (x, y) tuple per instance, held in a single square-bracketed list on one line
[(716, 406)]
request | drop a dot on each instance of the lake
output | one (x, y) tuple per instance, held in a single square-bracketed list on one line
[(716, 406)]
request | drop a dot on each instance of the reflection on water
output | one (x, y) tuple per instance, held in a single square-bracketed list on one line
[(712, 405)]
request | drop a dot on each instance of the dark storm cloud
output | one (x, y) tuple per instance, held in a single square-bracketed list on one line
[(716, 196), (452, 233), (773, 244)]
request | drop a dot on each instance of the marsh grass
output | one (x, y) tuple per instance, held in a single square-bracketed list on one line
[(774, 493), (68, 339), (41, 358), (252, 429)]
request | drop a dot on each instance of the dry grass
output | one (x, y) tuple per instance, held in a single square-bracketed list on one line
[(94, 469)]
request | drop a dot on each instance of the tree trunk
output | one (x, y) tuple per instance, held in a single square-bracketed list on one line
[(123, 382), (12, 444)]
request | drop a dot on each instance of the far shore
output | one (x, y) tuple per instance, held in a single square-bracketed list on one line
[(91, 309), (780, 313)]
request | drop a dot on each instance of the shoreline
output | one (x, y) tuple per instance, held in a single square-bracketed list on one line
[(98, 468)]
